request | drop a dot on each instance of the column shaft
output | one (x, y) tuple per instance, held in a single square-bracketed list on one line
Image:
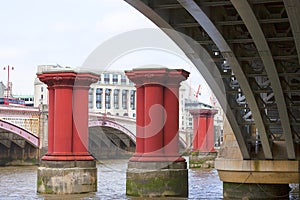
[(80, 121), (63, 121), (202, 133), (154, 119), (50, 119), (195, 131), (210, 134), (171, 135), (140, 120)]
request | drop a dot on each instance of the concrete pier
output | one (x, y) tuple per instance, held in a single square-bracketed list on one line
[(253, 179)]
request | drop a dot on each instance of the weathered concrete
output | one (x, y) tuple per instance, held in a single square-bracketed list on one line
[(67, 177), (157, 179), (255, 191), (202, 160), (253, 179)]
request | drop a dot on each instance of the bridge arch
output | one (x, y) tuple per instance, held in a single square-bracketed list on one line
[(231, 46), (24, 134), (110, 125), (109, 139)]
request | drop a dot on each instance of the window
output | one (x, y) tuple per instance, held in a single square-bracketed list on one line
[(106, 78), (42, 89), (115, 79), (116, 99), (99, 98), (91, 91), (107, 98), (123, 80), (124, 99), (42, 96), (132, 99), (131, 83)]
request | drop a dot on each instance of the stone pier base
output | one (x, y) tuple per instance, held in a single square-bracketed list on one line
[(255, 191), (67, 177), (157, 179)]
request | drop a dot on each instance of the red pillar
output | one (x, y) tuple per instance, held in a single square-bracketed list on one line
[(80, 117), (63, 119), (203, 130), (157, 113), (68, 114), (195, 131), (50, 119), (202, 133), (140, 104), (154, 120), (210, 133)]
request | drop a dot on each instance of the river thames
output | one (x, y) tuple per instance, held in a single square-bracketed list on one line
[(20, 183)]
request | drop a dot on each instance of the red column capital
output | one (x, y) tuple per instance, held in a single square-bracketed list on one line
[(203, 112), (162, 76)]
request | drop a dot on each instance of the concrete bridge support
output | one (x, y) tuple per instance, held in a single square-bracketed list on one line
[(157, 169), (253, 179), (67, 167)]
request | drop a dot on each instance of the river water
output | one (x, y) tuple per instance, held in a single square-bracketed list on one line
[(20, 183)]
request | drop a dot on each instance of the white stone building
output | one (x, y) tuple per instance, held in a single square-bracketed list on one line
[(113, 94)]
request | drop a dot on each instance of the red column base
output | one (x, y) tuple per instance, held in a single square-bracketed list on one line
[(156, 158), (68, 156)]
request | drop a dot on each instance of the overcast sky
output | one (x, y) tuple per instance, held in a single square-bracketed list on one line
[(66, 32)]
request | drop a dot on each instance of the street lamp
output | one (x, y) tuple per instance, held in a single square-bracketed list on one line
[(8, 88)]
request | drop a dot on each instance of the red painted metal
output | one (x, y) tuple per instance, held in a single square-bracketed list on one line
[(68, 114), (140, 120), (203, 130), (210, 134), (50, 119), (154, 119), (195, 131), (157, 113), (202, 133)]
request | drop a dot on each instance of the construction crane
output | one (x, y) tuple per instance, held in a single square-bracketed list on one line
[(198, 91)]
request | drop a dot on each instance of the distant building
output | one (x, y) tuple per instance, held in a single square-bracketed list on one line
[(40, 89), (2, 89), (113, 94)]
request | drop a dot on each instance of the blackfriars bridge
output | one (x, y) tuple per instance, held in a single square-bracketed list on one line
[(248, 52)]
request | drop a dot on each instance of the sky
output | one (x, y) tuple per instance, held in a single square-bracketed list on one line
[(67, 32)]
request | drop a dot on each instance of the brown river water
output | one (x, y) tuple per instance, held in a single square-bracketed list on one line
[(20, 183)]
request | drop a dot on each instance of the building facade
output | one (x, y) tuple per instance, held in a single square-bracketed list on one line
[(113, 94)]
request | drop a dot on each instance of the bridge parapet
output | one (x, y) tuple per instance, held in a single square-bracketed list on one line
[(24, 117)]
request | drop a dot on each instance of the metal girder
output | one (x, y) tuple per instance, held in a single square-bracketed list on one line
[(292, 8), (226, 51), (204, 63), (246, 13)]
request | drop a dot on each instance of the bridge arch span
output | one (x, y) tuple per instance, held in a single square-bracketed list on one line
[(112, 124), (26, 135)]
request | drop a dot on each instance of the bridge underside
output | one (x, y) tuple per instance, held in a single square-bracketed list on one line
[(14, 150), (107, 143), (248, 52)]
